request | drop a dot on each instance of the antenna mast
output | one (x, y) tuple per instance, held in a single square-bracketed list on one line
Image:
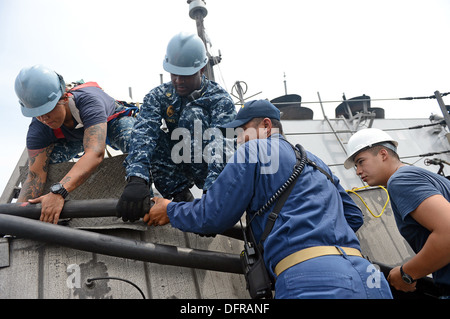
[(197, 12), (285, 86)]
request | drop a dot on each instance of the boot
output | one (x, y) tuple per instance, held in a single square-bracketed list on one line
[(184, 196)]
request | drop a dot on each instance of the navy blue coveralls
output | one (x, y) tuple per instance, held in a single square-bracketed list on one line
[(317, 213)]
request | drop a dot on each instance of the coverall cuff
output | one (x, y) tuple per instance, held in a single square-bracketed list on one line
[(170, 214)]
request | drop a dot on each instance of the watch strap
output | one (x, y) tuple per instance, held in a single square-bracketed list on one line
[(406, 278), (61, 191)]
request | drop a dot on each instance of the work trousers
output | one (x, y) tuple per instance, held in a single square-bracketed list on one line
[(177, 162), (332, 277)]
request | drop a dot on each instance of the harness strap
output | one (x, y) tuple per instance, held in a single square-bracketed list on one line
[(127, 112), (58, 132), (279, 205), (84, 85), (300, 155), (313, 164), (73, 109), (76, 113)]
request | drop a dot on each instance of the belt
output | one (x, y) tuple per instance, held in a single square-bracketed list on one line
[(313, 252)]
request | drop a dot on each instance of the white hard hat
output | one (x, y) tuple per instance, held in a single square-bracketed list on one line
[(365, 139)]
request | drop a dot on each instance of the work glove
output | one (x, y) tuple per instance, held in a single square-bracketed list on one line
[(135, 201)]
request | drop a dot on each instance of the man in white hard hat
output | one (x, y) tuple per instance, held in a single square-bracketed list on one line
[(419, 200), (189, 104)]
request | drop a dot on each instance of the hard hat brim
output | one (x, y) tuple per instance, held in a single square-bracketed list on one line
[(349, 162), (178, 70), (41, 110)]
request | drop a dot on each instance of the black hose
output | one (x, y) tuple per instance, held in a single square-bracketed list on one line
[(119, 247), (89, 208), (72, 209)]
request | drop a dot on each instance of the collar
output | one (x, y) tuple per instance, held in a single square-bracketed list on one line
[(196, 95)]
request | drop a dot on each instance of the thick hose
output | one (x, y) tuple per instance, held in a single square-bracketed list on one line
[(89, 208), (119, 247), (72, 209)]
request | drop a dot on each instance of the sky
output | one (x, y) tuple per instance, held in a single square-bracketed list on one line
[(384, 49)]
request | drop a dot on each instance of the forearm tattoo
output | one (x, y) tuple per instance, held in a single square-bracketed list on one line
[(34, 184)]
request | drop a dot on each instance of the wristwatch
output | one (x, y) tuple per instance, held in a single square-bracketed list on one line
[(58, 188), (406, 278)]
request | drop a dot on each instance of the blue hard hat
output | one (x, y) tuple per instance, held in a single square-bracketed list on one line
[(254, 109), (185, 55), (38, 89)]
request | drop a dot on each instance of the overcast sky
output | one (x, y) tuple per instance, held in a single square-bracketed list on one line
[(384, 49)]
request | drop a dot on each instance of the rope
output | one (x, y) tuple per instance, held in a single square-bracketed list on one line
[(362, 200)]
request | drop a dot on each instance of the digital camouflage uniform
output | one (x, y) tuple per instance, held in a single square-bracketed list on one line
[(163, 118)]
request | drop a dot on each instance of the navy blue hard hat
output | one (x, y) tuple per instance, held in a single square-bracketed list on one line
[(254, 109)]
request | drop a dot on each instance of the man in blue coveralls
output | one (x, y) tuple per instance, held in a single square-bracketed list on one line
[(318, 219), (185, 107), (420, 202)]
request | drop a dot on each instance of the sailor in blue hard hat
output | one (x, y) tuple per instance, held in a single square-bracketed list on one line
[(61, 118), (39, 90), (185, 54), (189, 98)]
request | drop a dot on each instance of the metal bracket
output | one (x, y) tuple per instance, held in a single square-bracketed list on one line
[(4, 252), (443, 108)]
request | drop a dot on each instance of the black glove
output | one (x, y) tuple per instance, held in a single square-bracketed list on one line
[(135, 201)]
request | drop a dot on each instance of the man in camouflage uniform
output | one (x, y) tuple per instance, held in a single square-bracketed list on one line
[(171, 142)]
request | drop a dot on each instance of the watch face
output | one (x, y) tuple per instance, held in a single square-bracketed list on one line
[(59, 189), (55, 187), (407, 279)]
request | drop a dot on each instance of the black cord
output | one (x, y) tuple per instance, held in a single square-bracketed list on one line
[(89, 283), (298, 168)]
